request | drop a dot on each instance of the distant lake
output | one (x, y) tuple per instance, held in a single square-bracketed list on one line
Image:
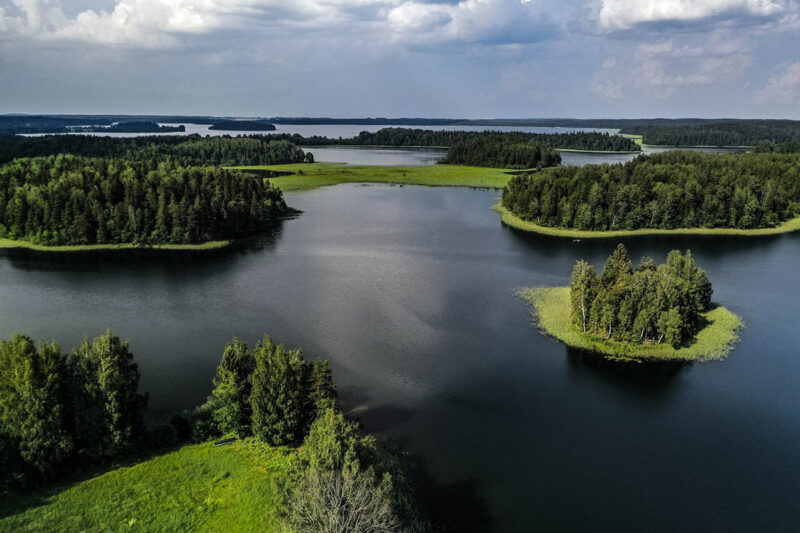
[(409, 292)]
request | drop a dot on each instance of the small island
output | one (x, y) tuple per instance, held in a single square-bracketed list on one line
[(242, 125), (648, 312)]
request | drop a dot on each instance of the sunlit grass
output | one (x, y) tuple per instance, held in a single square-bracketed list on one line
[(196, 488), (551, 309), (514, 221), (310, 176)]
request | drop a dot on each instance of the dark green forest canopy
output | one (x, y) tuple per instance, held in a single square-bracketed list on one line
[(582, 140), (651, 303), (187, 150), (62, 200), (499, 151), (731, 133), (242, 125), (664, 191)]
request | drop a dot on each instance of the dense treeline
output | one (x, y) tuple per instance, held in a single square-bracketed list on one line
[(791, 147), (501, 152), (649, 304), (242, 125), (667, 190), (59, 413), (187, 150), (442, 138), (139, 126), (729, 133), (64, 199)]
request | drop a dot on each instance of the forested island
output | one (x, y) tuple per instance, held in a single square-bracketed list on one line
[(141, 126), (412, 137), (728, 133), (68, 200), (500, 151), (299, 462), (650, 311), (242, 125), (667, 191), (187, 150)]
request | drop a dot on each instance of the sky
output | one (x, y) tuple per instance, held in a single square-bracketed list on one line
[(400, 58)]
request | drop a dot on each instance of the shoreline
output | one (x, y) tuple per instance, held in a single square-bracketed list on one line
[(551, 311), (512, 220), (210, 245)]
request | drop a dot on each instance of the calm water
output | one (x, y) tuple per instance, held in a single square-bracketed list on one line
[(408, 290)]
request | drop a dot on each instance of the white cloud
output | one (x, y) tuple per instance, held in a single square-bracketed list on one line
[(783, 88), (614, 15), (659, 70), (170, 23)]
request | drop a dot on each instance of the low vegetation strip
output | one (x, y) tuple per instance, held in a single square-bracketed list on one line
[(210, 245), (514, 221), (551, 308), (311, 176), (196, 488)]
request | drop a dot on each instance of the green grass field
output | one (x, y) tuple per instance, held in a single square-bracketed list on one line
[(551, 309), (322, 174), (515, 222), (9, 243), (196, 488)]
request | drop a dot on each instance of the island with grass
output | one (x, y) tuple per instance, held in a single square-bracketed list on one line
[(672, 192), (651, 311)]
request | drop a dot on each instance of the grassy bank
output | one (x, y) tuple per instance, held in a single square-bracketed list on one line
[(515, 222), (551, 308), (196, 488), (310, 176), (9, 243)]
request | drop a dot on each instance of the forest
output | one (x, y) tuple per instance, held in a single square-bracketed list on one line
[(500, 151), (64, 199), (649, 304), (242, 125), (583, 140), (728, 133), (139, 126), (186, 150), (63, 414), (677, 189)]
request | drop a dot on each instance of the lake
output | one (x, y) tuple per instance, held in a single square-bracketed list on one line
[(409, 292)]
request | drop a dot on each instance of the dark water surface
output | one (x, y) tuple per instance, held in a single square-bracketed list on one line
[(409, 292)]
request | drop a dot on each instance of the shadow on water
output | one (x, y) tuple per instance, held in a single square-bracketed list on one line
[(449, 507), (134, 259), (645, 379)]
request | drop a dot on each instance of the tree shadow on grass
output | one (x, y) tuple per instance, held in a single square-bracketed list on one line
[(18, 501)]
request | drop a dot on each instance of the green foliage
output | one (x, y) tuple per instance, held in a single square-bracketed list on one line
[(109, 410), (662, 191), (34, 414), (64, 200), (501, 151), (270, 392), (279, 395), (230, 400), (652, 304), (57, 413)]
